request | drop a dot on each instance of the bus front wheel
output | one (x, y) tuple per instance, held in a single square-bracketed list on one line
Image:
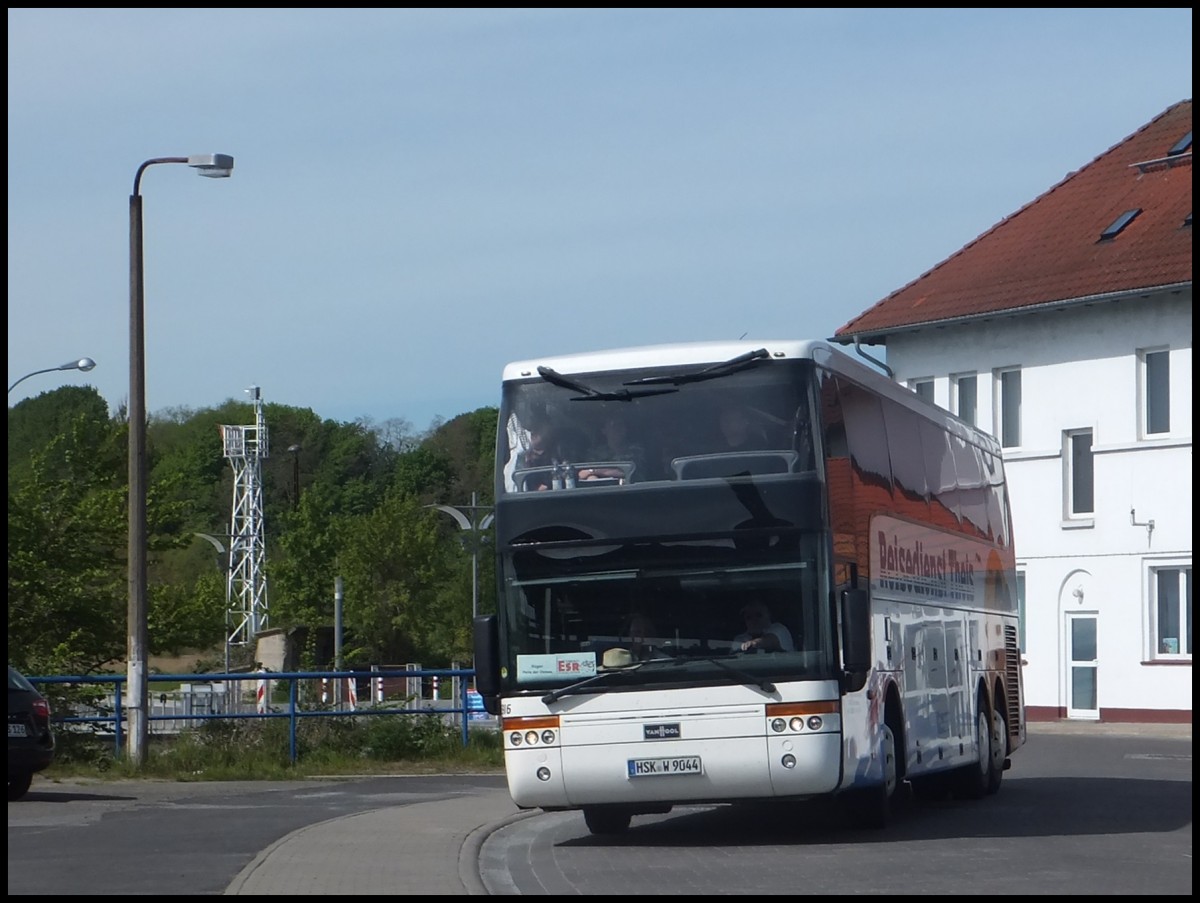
[(871, 807), (606, 820), (973, 779)]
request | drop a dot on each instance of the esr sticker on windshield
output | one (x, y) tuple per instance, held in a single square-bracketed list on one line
[(562, 666)]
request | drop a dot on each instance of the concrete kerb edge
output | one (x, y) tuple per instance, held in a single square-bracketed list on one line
[(471, 850), (235, 886)]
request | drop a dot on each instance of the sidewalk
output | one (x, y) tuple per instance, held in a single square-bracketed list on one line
[(413, 849), (1114, 728)]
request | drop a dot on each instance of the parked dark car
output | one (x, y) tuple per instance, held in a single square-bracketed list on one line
[(30, 739)]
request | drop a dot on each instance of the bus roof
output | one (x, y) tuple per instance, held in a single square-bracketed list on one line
[(675, 354)]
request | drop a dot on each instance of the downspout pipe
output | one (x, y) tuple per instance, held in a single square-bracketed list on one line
[(878, 363)]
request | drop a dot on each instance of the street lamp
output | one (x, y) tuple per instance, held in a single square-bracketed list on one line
[(84, 363), (469, 520), (213, 166)]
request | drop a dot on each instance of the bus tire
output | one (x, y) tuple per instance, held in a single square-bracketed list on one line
[(606, 819), (871, 807), (972, 780), (999, 750)]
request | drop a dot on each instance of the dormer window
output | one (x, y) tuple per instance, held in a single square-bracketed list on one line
[(1119, 224)]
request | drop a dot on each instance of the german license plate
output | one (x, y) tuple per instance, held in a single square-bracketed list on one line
[(647, 768), (17, 730)]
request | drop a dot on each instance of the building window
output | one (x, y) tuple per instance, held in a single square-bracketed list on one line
[(966, 396), (1156, 391), (923, 388), (1080, 475), (1008, 407), (1171, 609)]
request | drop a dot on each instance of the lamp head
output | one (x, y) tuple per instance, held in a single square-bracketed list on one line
[(84, 363), (214, 166)]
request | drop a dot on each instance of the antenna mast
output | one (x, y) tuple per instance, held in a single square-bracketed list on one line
[(246, 586)]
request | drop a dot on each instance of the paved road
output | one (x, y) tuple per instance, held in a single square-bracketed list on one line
[(1086, 809)]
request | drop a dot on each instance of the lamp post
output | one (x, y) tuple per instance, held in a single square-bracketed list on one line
[(213, 166), (469, 520), (84, 363)]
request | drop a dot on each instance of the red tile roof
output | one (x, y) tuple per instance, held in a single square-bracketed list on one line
[(1050, 250)]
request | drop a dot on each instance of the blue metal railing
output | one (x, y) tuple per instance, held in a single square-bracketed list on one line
[(459, 706)]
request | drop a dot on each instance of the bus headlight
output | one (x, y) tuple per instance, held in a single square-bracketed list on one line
[(788, 761), (797, 724), (815, 722), (531, 730), (778, 725), (543, 773)]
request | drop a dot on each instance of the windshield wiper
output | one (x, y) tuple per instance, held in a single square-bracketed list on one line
[(741, 362), (590, 394), (569, 689), (744, 676)]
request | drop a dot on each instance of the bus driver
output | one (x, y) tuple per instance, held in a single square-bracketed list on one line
[(762, 633)]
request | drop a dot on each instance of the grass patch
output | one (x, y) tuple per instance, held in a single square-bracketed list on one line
[(261, 750)]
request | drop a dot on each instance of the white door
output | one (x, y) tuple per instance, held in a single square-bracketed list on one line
[(1082, 667)]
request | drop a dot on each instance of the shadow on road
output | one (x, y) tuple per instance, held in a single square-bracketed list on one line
[(1032, 807)]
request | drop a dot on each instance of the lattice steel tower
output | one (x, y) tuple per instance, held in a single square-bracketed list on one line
[(246, 587)]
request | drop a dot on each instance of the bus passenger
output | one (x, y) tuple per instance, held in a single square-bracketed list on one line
[(762, 633), (617, 446), (739, 432), (639, 630), (548, 445)]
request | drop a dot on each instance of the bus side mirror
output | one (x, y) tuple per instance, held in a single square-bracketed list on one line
[(487, 662), (856, 638)]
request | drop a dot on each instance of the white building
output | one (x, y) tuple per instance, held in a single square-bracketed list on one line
[(1066, 331)]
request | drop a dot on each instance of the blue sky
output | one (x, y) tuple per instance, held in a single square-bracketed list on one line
[(420, 196)]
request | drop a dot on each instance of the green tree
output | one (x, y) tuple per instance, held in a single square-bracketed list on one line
[(400, 605), (66, 535)]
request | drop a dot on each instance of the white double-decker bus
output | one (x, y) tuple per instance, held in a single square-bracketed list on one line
[(745, 572)]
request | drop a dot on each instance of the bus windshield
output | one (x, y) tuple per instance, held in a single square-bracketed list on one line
[(633, 426), (651, 614)]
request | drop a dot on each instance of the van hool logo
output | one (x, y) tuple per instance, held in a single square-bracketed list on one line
[(661, 732), (910, 567)]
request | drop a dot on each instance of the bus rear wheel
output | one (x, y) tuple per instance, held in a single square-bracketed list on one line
[(606, 819), (999, 751)]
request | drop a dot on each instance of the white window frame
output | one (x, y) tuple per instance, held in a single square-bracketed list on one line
[(1002, 407), (957, 395), (923, 387), (1069, 475), (1145, 389), (1153, 569)]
